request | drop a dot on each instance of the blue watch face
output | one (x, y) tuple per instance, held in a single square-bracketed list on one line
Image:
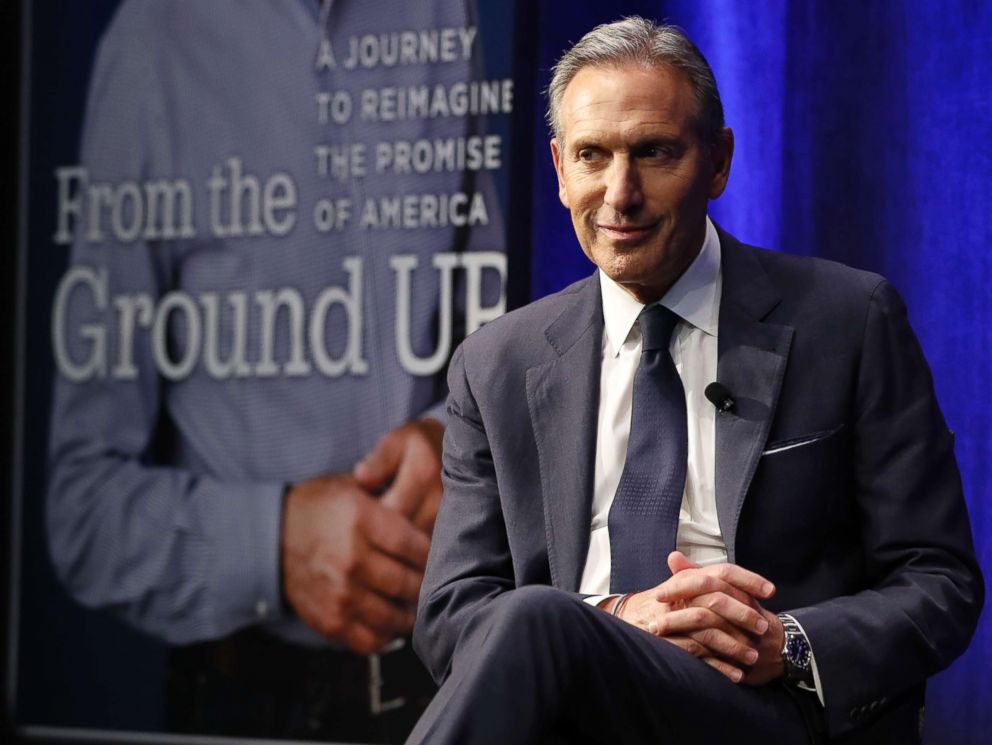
[(797, 650)]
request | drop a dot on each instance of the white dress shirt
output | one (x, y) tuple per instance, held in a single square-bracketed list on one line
[(695, 298)]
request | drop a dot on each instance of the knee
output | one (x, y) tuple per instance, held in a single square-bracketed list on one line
[(537, 600), (535, 610), (528, 622)]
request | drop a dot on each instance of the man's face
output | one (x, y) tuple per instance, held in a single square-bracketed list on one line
[(635, 175)]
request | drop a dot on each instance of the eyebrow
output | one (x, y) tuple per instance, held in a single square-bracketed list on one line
[(640, 143)]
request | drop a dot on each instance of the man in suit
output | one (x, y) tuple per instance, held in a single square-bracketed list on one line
[(616, 558)]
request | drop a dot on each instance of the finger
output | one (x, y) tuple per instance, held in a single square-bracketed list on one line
[(709, 630), (685, 620), (731, 609), (689, 645), (726, 645), (389, 577), (381, 463), (383, 616), (696, 619), (709, 579), (702, 652), (392, 533), (427, 511), (678, 561), (419, 475), (735, 674), (690, 584), (360, 638), (743, 579)]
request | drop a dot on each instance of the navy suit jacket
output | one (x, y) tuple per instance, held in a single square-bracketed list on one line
[(860, 523)]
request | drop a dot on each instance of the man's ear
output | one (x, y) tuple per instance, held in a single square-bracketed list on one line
[(720, 156), (557, 157)]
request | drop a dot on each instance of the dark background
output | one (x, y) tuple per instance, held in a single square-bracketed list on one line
[(65, 672), (10, 35)]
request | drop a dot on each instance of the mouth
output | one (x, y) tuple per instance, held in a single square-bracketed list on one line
[(624, 233)]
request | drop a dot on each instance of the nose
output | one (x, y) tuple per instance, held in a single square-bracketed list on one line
[(623, 186)]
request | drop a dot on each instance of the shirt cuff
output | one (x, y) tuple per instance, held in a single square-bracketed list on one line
[(595, 600), (247, 565)]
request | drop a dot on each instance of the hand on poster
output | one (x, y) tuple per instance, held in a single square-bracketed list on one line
[(405, 468), (352, 566)]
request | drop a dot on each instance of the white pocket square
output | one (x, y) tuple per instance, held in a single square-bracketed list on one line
[(798, 442)]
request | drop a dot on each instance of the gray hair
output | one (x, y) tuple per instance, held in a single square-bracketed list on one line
[(636, 40)]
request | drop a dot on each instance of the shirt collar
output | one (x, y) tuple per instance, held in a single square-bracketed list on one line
[(694, 297)]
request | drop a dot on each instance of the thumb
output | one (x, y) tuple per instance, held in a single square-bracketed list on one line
[(678, 561), (380, 464)]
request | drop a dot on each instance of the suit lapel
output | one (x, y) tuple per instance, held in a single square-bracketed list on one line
[(563, 400), (752, 360)]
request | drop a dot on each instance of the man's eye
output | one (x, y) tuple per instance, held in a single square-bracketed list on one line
[(657, 151), (588, 154)]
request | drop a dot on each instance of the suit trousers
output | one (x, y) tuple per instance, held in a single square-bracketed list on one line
[(539, 665)]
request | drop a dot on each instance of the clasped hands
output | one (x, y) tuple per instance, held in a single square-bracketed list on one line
[(713, 613), (354, 545)]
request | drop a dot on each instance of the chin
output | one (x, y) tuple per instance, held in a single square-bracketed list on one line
[(624, 270)]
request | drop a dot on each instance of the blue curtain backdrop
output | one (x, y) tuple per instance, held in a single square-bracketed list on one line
[(864, 135)]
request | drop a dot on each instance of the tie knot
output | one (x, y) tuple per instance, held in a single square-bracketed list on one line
[(657, 323)]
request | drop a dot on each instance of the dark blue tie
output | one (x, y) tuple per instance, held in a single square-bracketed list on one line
[(644, 517)]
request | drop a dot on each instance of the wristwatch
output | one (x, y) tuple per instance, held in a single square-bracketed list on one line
[(796, 653)]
